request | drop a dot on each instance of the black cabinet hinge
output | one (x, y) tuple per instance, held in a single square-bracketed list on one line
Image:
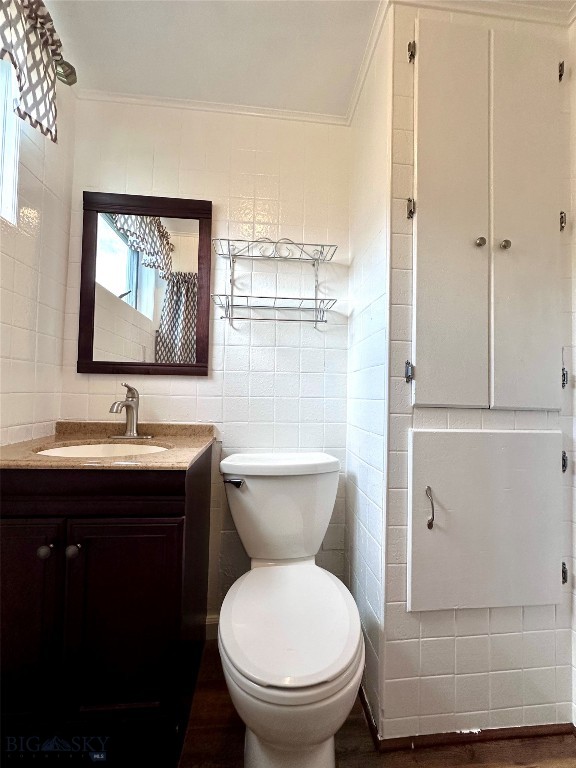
[(411, 51), (410, 208), (564, 573), (561, 71), (563, 221), (564, 378), (408, 371), (564, 461)]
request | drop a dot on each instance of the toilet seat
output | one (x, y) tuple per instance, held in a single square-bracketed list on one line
[(290, 627), (293, 696)]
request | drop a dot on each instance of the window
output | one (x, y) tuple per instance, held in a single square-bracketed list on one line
[(119, 269), (9, 143)]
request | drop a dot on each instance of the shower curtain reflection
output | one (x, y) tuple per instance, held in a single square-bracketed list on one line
[(176, 336)]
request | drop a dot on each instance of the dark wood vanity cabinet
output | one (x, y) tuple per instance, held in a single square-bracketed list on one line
[(103, 594), (32, 609)]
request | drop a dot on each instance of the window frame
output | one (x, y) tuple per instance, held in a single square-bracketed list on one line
[(9, 144)]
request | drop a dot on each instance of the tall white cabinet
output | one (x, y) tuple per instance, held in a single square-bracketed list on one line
[(486, 230)]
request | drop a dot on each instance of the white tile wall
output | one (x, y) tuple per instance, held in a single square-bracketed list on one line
[(368, 357), (120, 331), (271, 385), (469, 668), (33, 280)]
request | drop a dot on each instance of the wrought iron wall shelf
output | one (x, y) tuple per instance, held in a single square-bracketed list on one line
[(264, 248), (249, 307), (236, 307)]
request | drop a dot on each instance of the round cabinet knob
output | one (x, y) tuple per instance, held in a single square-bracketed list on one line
[(505, 244), (44, 551), (480, 241), (73, 550)]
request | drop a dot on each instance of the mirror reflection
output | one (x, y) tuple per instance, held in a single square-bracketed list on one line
[(146, 293)]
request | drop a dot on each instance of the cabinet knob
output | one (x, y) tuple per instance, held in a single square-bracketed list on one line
[(505, 244), (480, 241), (73, 550), (44, 551)]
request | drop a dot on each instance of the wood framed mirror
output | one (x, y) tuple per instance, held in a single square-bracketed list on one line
[(144, 285)]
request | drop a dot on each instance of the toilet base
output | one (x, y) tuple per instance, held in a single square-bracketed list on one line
[(260, 754)]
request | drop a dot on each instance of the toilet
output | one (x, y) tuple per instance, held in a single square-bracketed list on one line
[(289, 634)]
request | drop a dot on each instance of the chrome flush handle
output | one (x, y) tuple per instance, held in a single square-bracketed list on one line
[(235, 481)]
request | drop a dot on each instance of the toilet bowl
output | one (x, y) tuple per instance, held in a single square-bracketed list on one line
[(289, 634)]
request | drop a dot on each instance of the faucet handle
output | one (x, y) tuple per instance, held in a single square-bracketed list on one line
[(132, 393)]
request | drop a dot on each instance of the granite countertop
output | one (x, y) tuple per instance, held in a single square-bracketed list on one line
[(185, 443)]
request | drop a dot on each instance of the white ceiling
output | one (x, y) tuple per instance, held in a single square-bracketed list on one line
[(292, 55), (279, 56)]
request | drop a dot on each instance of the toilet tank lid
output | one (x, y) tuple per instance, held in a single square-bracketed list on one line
[(279, 464), (289, 626)]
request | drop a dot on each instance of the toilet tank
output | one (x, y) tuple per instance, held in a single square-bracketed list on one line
[(285, 502)]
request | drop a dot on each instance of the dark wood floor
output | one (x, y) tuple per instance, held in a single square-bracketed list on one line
[(215, 738)]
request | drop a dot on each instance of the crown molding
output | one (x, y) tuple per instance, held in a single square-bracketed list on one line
[(506, 9), (209, 106), (377, 26)]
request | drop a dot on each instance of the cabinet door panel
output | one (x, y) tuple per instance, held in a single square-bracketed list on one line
[(123, 611), (32, 592), (452, 195), (526, 345), (496, 536)]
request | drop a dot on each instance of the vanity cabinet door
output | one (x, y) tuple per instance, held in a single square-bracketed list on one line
[(32, 593), (124, 586)]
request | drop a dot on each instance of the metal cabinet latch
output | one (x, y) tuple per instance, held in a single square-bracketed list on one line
[(564, 378), (411, 51), (563, 221), (408, 371), (410, 208), (564, 573), (560, 71), (564, 461)]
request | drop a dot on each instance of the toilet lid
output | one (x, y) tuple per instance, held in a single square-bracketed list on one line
[(276, 464), (289, 626)]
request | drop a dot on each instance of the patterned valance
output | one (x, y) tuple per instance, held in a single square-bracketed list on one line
[(30, 42), (150, 237)]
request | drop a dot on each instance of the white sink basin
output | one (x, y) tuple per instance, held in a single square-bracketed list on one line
[(102, 450)]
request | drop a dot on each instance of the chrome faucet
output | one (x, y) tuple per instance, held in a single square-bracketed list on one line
[(130, 405)]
